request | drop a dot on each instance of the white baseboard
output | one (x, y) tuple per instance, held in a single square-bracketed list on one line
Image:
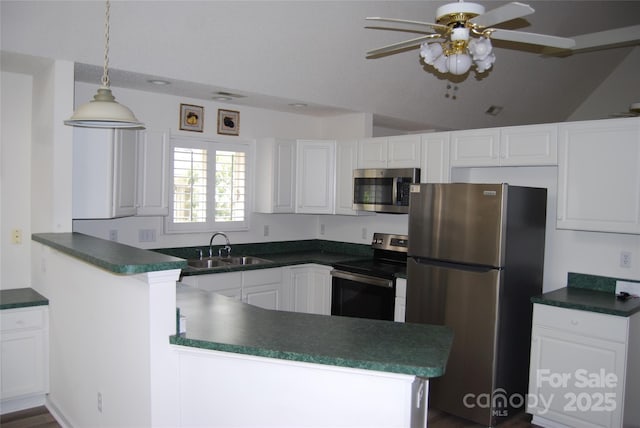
[(57, 414), (21, 403)]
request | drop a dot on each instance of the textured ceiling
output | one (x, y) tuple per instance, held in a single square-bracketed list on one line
[(276, 53)]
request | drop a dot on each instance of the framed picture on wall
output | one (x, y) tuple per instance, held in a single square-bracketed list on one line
[(228, 122), (191, 118)]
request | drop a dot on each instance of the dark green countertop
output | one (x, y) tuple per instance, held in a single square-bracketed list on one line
[(221, 323), (284, 253), (109, 255), (589, 300), (21, 298)]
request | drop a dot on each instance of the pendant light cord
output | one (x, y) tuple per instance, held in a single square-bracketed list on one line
[(105, 73)]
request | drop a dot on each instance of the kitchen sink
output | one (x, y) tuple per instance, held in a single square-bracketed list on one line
[(207, 263), (246, 260), (212, 262)]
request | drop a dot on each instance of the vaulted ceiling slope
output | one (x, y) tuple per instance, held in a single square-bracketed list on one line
[(277, 52)]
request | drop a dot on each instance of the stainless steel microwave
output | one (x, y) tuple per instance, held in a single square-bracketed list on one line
[(383, 190)]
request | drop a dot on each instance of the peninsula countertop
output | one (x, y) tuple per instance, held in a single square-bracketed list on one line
[(224, 324)]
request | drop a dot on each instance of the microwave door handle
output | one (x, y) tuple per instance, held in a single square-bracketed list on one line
[(394, 191)]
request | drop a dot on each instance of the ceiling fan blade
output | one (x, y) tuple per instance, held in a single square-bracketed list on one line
[(407, 21), (532, 38), (401, 45), (502, 14), (616, 36)]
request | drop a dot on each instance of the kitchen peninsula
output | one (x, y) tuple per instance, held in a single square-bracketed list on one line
[(236, 363)]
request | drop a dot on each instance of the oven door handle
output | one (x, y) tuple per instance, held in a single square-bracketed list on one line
[(366, 279)]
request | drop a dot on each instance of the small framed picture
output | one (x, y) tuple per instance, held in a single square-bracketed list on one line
[(191, 118), (228, 122)]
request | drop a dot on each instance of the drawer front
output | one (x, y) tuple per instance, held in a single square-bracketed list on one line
[(262, 276), (590, 324), (21, 318), (215, 281)]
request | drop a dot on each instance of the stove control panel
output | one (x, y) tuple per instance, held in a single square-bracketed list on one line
[(388, 241)]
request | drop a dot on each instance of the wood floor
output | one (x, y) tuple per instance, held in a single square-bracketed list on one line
[(39, 417), (30, 418)]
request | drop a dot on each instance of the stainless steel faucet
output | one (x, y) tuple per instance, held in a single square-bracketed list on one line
[(227, 246)]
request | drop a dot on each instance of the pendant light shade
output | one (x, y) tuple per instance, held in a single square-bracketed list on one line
[(104, 111)]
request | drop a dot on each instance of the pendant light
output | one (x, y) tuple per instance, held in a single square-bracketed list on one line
[(104, 111)]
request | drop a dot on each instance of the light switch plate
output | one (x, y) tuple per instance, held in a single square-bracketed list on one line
[(632, 288)]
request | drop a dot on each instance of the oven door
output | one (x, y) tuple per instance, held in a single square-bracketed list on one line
[(362, 296)]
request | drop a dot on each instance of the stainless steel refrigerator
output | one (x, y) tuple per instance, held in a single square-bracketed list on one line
[(475, 258)]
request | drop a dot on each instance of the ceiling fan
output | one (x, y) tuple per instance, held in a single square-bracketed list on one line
[(461, 36), (634, 111)]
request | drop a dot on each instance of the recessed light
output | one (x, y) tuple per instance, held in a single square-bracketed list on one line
[(298, 105), (222, 98), (159, 82)]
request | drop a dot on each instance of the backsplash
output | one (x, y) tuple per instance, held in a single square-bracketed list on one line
[(593, 282)]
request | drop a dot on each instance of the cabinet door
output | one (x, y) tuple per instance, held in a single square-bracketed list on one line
[(478, 147), (23, 352), (529, 145), (310, 289), (265, 288), (403, 151), (561, 364), (315, 176), (346, 162), (599, 176), (372, 152), (125, 174), (284, 188), (153, 167), (435, 166)]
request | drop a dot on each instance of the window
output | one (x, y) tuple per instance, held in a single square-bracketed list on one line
[(209, 186)]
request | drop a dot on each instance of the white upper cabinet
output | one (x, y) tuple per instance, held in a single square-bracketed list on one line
[(275, 176), (599, 176), (104, 173), (315, 176), (477, 147), (346, 162), (153, 167), (401, 151), (435, 165), (528, 145)]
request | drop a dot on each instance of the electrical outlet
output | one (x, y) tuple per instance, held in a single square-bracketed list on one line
[(625, 259), (322, 229), (113, 235), (364, 233), (146, 235), (100, 402), (16, 236), (266, 230)]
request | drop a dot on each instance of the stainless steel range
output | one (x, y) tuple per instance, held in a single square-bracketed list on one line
[(367, 288)]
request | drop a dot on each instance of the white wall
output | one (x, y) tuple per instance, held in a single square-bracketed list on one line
[(15, 179), (615, 94)]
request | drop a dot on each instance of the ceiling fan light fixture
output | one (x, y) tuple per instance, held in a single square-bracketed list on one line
[(480, 48), (430, 52), (458, 63)]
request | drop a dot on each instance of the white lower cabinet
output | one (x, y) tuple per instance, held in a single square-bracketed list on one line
[(584, 368), (264, 288), (310, 287), (228, 284), (24, 353)]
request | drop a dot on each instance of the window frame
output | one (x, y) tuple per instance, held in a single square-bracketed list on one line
[(212, 146)]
